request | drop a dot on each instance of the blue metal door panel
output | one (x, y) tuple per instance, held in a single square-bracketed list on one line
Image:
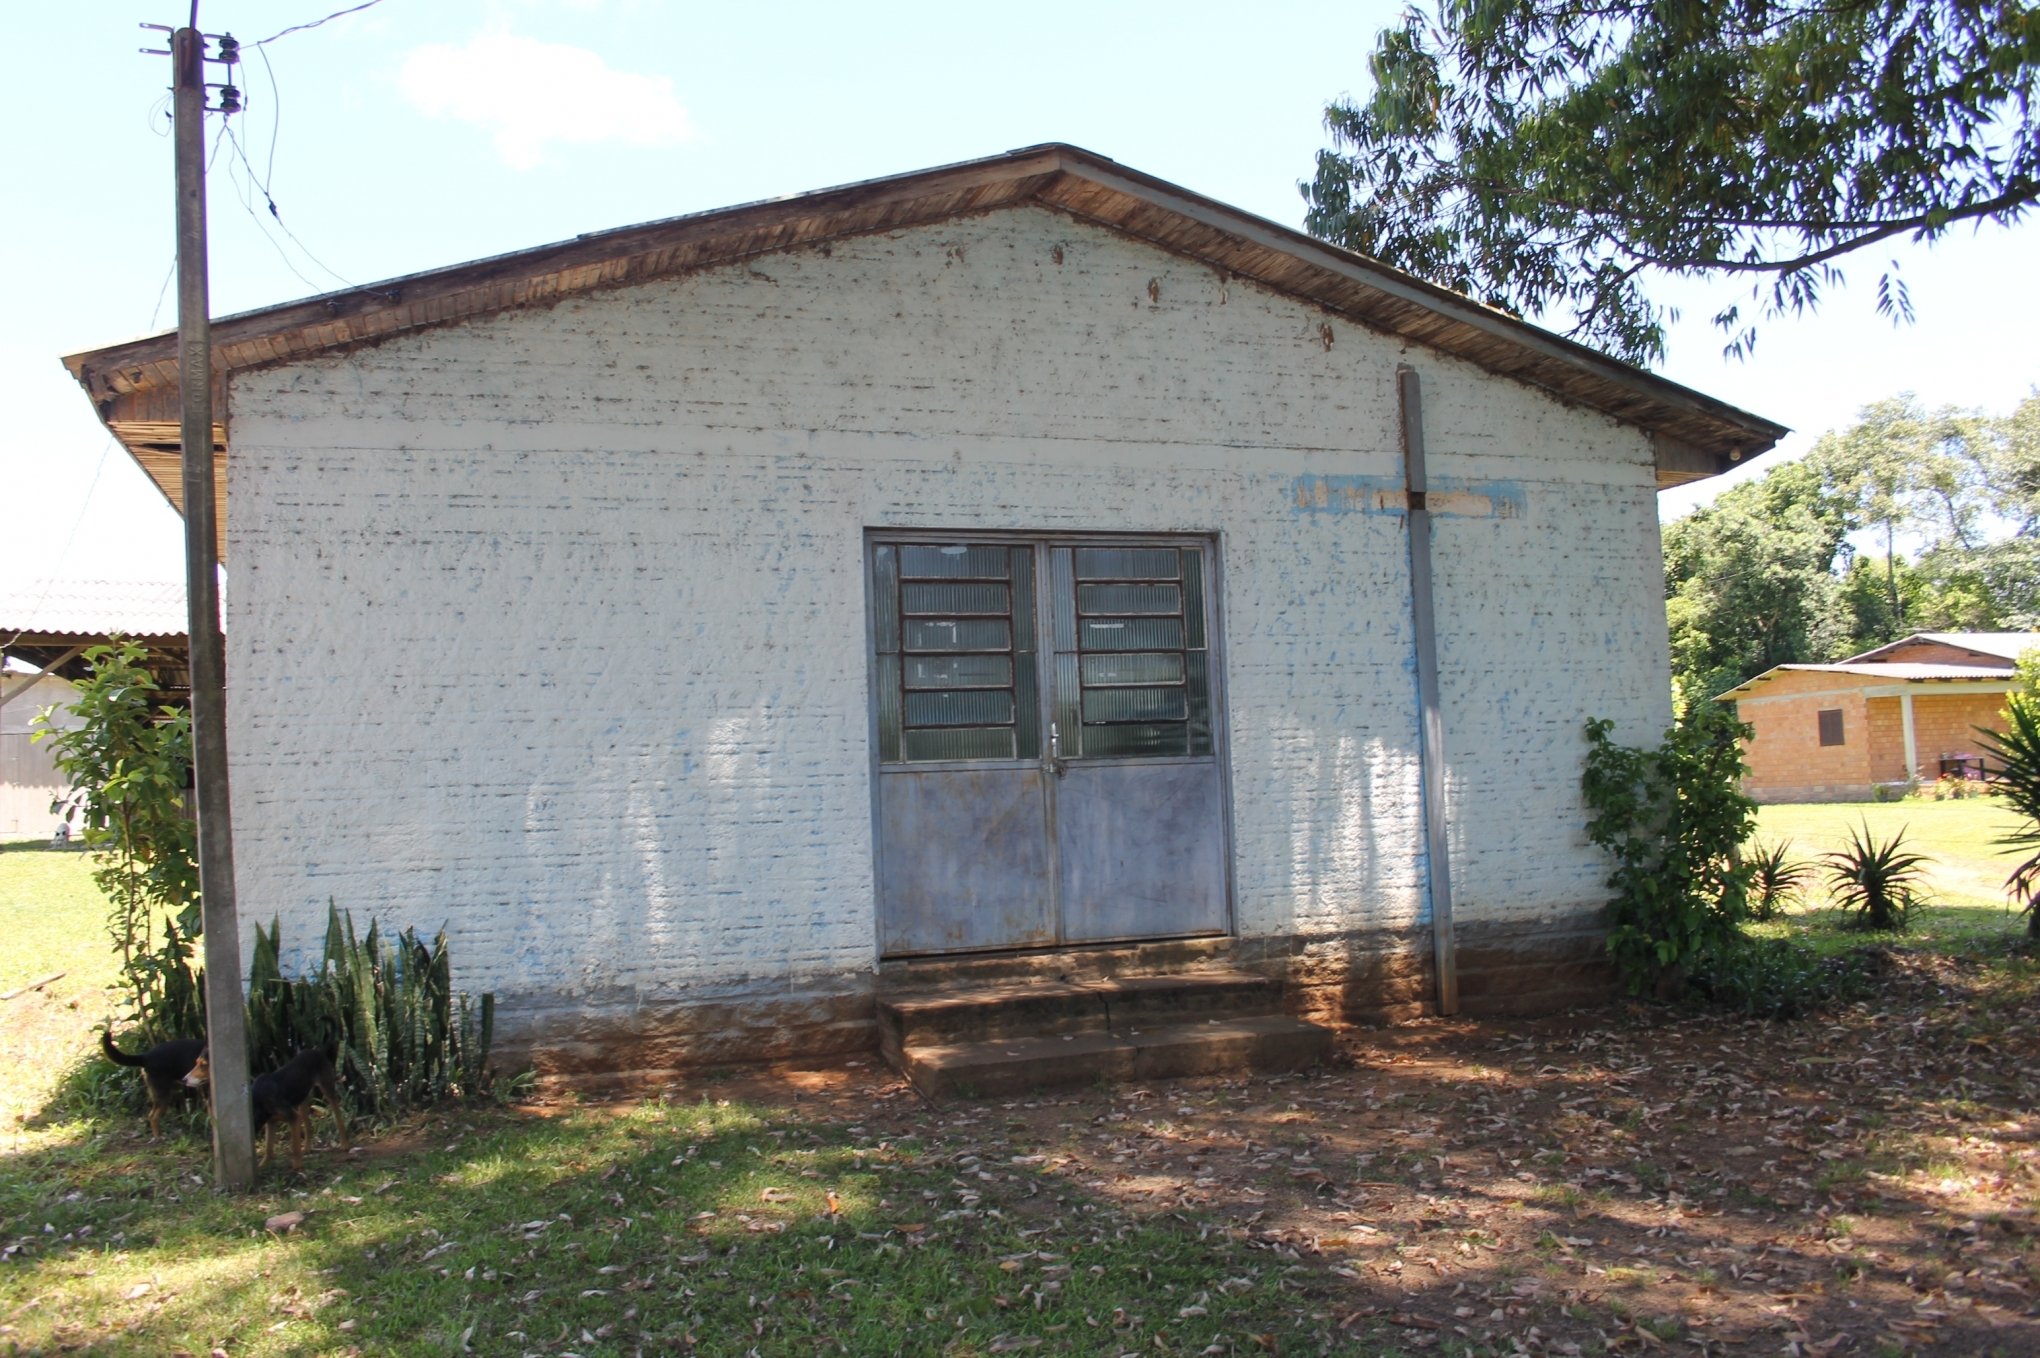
[(963, 860), (1141, 850)]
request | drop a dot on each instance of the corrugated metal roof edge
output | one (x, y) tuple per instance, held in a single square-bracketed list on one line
[(1983, 643), (1891, 670)]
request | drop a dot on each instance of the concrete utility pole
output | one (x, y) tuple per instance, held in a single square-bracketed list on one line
[(225, 1007), (1431, 710)]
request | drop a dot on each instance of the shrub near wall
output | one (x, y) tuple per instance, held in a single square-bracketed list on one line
[(130, 756), (1674, 820), (400, 1035)]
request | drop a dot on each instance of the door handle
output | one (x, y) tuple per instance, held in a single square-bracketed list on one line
[(1056, 763)]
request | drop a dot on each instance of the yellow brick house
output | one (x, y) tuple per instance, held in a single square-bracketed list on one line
[(1897, 714)]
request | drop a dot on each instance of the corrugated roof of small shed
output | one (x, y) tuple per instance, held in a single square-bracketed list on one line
[(144, 610), (2001, 645), (134, 385), (1888, 671)]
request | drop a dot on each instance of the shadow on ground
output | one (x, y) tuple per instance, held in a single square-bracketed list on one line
[(1610, 1181)]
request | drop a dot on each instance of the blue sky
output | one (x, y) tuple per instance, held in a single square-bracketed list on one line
[(420, 133)]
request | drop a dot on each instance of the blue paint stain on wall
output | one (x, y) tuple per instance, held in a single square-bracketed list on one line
[(1449, 497), (1346, 495)]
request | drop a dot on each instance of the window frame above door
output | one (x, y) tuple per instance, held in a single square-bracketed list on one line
[(1045, 644)]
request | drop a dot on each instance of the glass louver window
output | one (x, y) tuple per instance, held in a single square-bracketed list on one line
[(956, 652), (1132, 659)]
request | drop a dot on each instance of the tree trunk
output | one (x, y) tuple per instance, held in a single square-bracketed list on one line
[(1891, 574)]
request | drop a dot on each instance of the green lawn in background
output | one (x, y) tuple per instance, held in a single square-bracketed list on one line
[(1964, 876), (54, 917)]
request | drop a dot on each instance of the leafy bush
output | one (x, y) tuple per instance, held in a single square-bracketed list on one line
[(131, 758), (1775, 880), (1672, 819), (402, 1036), (1777, 978), (2018, 781), (1879, 883)]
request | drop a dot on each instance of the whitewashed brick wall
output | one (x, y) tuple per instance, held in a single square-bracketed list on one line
[(550, 626)]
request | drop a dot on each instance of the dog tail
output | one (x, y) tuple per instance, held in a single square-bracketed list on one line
[(115, 1054)]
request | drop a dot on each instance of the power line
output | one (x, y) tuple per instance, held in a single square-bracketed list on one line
[(55, 571), (248, 206), (299, 28), (256, 183), (275, 115), (163, 291)]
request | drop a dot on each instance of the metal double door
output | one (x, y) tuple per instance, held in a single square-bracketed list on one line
[(1048, 723)]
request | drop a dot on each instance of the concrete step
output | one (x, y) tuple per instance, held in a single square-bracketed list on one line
[(948, 1015), (1150, 957), (1015, 1065)]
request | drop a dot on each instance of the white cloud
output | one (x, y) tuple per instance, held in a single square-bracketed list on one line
[(530, 95)]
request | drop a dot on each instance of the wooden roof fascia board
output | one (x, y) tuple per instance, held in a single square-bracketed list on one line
[(1405, 320), (595, 247), (1078, 182), (1507, 329), (1676, 458), (260, 349), (1357, 303)]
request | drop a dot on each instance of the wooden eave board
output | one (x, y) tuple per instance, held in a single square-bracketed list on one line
[(134, 384)]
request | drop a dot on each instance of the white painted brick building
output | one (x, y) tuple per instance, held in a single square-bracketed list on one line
[(571, 595)]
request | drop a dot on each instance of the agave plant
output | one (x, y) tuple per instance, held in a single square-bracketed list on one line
[(2018, 781), (1775, 879), (1879, 882)]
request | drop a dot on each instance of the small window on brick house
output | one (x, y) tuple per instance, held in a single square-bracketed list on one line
[(1831, 726)]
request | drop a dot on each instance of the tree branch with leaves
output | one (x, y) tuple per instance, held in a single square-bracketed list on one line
[(1549, 156)]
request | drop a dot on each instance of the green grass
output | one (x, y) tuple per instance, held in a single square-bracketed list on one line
[(52, 919), (715, 1227), (1964, 877), (706, 1228), (53, 915)]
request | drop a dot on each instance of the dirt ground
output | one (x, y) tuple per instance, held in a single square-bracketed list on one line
[(1615, 1180), (1618, 1179)]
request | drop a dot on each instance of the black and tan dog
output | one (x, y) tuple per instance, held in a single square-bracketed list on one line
[(285, 1095), (166, 1069)]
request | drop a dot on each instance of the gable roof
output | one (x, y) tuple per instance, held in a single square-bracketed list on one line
[(134, 385), (1987, 646)]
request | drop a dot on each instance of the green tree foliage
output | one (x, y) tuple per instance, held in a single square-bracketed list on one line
[(1548, 156), (1962, 484), (131, 757), (1749, 580), (1767, 574), (1672, 820)]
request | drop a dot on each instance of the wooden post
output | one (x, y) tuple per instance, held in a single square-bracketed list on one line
[(226, 1012), (1423, 617)]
